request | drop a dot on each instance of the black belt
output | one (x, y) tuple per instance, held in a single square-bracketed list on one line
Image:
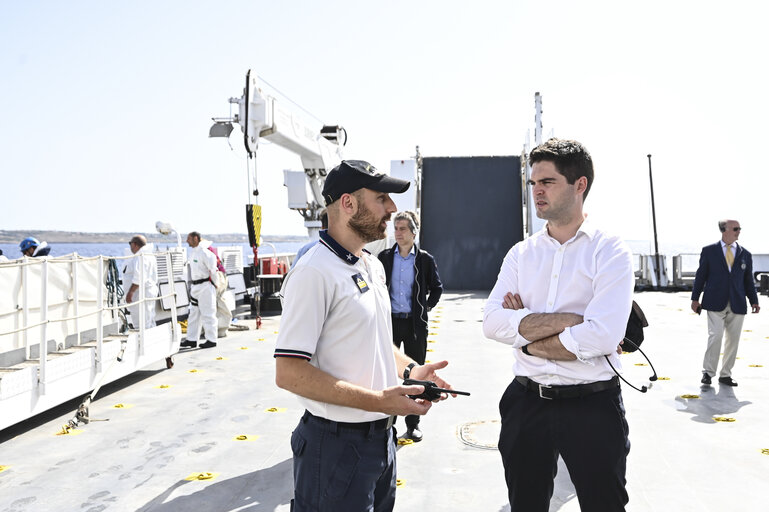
[(200, 281), (402, 315), (383, 424), (575, 391)]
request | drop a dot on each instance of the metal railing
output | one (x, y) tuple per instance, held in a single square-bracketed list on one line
[(102, 306)]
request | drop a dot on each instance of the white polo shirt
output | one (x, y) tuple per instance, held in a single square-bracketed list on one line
[(336, 315)]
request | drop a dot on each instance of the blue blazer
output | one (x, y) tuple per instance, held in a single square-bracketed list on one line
[(720, 285)]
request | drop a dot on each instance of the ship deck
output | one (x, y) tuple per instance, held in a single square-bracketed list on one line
[(157, 429)]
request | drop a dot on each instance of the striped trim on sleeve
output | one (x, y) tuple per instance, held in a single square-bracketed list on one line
[(280, 352)]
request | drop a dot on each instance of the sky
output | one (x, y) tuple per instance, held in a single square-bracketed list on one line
[(106, 106)]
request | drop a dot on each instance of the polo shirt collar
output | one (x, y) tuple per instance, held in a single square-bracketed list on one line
[(337, 249)]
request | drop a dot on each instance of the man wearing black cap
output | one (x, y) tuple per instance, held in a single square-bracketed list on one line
[(335, 351)]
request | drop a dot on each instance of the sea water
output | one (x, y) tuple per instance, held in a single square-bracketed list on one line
[(87, 250)]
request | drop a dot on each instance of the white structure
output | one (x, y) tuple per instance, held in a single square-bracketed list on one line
[(60, 332)]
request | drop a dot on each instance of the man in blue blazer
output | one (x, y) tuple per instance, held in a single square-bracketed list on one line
[(726, 275)]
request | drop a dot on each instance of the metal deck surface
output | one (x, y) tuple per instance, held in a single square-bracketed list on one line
[(177, 423)]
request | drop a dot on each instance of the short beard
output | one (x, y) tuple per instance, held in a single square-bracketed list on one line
[(365, 225)]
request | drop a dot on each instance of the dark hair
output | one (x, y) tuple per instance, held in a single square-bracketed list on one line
[(570, 158), (195, 234), (722, 225)]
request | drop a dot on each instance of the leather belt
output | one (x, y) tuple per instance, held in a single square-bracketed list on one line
[(200, 281), (402, 315), (574, 391), (383, 424)]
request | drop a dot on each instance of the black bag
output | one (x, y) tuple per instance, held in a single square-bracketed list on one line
[(634, 334)]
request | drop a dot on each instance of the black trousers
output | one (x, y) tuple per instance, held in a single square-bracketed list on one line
[(590, 434), (415, 346)]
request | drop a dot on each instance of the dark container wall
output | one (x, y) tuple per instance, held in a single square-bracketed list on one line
[(471, 216)]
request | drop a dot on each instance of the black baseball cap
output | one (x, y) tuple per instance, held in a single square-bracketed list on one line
[(352, 175)]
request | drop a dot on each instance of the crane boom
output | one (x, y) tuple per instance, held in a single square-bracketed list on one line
[(263, 116)]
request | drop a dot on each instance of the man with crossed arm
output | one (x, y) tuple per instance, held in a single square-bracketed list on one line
[(562, 300)]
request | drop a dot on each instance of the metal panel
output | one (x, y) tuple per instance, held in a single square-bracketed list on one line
[(177, 262), (471, 217)]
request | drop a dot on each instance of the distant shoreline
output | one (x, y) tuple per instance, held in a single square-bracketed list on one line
[(77, 237)]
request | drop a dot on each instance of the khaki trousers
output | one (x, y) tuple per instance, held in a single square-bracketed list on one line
[(718, 322)]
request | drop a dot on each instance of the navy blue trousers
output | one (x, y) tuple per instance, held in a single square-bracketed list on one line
[(338, 468), (590, 434)]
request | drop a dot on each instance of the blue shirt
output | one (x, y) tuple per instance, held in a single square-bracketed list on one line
[(402, 281), (306, 247)]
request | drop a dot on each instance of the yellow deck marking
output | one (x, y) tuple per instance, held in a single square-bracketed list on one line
[(275, 409), (195, 370), (245, 437), (66, 430), (163, 386), (3, 468), (400, 482), (404, 442), (756, 365), (243, 348), (220, 358), (202, 476), (122, 406), (663, 378), (724, 419), (690, 397)]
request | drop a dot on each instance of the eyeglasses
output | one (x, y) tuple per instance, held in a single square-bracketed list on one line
[(737, 229)]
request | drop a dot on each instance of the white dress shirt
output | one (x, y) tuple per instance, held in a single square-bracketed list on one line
[(734, 251), (590, 275)]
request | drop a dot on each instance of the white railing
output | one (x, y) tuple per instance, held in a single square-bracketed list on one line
[(15, 277)]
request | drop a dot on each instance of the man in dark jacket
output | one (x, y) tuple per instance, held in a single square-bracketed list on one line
[(415, 288), (726, 275)]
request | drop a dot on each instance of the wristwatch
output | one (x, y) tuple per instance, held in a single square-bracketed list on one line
[(407, 370)]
